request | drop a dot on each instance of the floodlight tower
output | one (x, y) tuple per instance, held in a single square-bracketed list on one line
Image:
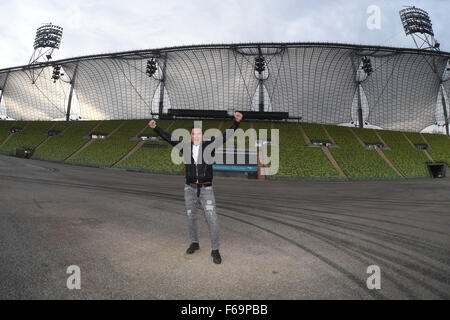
[(416, 23), (48, 38)]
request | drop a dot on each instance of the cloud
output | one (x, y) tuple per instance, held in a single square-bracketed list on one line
[(101, 26)]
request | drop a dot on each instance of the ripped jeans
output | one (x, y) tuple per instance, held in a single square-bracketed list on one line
[(208, 203)]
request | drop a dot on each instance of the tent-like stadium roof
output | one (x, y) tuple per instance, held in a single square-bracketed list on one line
[(315, 81)]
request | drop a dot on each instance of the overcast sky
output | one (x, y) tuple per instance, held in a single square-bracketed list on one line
[(103, 26)]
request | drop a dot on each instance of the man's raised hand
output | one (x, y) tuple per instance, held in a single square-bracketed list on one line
[(238, 116), (152, 124)]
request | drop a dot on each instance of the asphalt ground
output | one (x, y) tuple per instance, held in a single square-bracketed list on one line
[(127, 232)]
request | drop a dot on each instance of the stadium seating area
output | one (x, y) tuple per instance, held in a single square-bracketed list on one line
[(155, 156), (415, 137), (408, 160), (297, 159), (60, 147), (33, 135), (315, 132), (440, 147), (106, 152), (367, 135), (354, 159)]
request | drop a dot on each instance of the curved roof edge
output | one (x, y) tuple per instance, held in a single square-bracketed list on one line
[(159, 51)]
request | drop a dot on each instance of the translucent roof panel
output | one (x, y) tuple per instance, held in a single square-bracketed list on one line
[(314, 81)]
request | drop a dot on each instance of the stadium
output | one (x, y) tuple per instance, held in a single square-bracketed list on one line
[(305, 89), (363, 151)]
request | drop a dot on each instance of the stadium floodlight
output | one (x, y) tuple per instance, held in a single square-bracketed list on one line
[(260, 64), (260, 67), (56, 73), (416, 23), (151, 67), (48, 38), (367, 69), (367, 66)]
